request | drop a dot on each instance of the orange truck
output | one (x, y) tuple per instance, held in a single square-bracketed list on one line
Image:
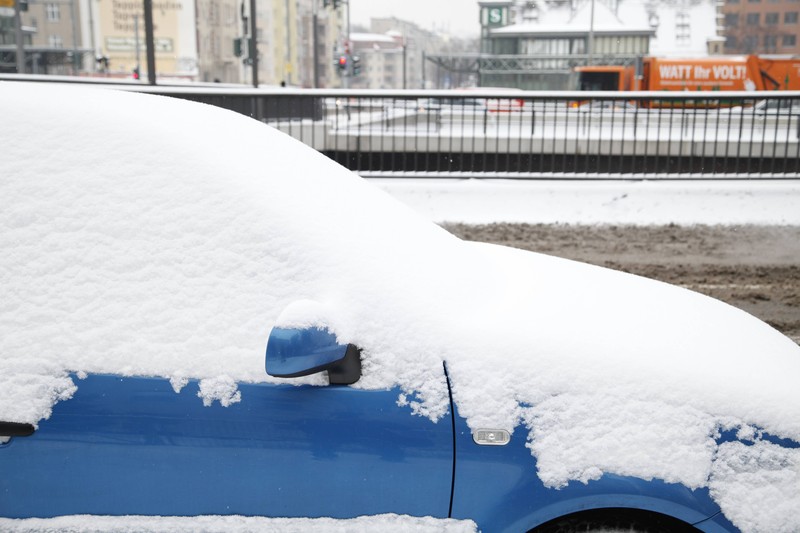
[(721, 73)]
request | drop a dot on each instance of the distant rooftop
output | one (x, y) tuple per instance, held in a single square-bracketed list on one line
[(563, 20)]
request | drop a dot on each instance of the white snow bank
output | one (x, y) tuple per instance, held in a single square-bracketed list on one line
[(764, 202), (166, 238), (386, 523)]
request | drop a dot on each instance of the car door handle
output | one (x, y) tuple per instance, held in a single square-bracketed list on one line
[(15, 429)]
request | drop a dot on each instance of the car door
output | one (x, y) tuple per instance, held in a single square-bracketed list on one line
[(125, 445)]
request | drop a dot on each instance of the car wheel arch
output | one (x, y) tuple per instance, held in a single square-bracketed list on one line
[(615, 519)]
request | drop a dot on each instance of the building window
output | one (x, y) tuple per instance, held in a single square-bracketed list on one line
[(753, 19), (771, 19), (789, 40), (790, 17), (731, 20), (545, 46), (732, 1), (55, 41), (683, 33), (770, 42), (749, 43), (53, 12), (730, 42)]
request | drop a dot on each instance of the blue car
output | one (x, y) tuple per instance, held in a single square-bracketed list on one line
[(202, 317)]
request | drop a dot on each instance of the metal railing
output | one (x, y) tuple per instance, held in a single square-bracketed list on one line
[(499, 133), (546, 134)]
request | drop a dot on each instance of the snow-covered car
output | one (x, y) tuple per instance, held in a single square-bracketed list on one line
[(157, 254)]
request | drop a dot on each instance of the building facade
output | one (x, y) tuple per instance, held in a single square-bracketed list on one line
[(392, 55), (381, 60), (196, 40), (52, 37), (762, 26), (557, 36), (219, 24)]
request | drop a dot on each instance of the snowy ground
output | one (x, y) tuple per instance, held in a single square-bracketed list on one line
[(767, 202)]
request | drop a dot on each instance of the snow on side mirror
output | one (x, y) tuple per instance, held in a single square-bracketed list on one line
[(295, 352)]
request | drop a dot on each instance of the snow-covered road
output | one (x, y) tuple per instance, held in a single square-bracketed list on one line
[(761, 202)]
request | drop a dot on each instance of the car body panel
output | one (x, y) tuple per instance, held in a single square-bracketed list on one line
[(126, 445), (498, 487)]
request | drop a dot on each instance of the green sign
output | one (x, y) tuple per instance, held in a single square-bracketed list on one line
[(495, 16)]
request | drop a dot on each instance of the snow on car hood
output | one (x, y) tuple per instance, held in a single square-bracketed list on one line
[(147, 236)]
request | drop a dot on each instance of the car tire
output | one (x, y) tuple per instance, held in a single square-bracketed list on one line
[(615, 521)]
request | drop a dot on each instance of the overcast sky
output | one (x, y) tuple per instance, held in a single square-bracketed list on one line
[(460, 17)]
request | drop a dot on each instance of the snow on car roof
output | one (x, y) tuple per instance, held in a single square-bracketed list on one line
[(142, 235)]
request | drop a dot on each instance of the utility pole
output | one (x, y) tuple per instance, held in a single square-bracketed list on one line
[(287, 56), (76, 57), (20, 47), (136, 41), (347, 48), (253, 48), (93, 61), (405, 46), (150, 40), (423, 70), (314, 42), (591, 35)]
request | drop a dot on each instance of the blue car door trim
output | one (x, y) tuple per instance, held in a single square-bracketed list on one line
[(453, 422)]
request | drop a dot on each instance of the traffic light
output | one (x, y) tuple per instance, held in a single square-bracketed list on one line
[(336, 4), (238, 50), (342, 62), (136, 73), (356, 65)]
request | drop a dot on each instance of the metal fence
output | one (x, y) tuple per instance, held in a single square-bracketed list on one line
[(507, 133), (545, 134)]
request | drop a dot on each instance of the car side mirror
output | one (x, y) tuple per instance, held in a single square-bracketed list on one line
[(295, 352)]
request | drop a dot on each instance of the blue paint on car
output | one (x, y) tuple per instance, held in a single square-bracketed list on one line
[(133, 446), (126, 445)]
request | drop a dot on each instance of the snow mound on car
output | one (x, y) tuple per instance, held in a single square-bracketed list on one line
[(148, 236)]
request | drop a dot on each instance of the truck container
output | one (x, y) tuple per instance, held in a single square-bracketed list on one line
[(722, 73)]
